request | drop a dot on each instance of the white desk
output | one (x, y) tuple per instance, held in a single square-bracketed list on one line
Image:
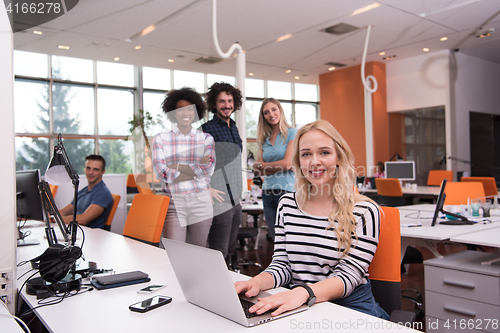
[(490, 237), (107, 310), (7, 323), (420, 191)]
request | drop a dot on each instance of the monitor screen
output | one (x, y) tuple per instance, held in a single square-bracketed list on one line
[(402, 170), (439, 203), (29, 202)]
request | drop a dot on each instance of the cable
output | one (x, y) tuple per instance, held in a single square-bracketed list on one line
[(19, 320)]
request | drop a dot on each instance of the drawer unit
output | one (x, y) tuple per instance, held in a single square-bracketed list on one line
[(463, 293)]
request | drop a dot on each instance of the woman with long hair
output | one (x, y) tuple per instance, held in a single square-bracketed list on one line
[(326, 233), (275, 139)]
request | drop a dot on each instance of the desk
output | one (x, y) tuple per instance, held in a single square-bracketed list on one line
[(490, 237), (420, 192), (107, 310), (7, 323)]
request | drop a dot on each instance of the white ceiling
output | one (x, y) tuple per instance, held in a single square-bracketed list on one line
[(98, 30)]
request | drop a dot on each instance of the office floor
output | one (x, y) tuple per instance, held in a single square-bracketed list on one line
[(412, 279)]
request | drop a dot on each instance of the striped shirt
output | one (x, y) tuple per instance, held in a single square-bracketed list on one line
[(305, 251), (172, 147)]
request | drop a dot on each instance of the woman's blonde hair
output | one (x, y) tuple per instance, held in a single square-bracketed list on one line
[(344, 193), (265, 130)]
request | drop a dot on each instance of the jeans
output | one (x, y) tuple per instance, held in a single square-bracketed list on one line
[(362, 300), (224, 230), (270, 200)]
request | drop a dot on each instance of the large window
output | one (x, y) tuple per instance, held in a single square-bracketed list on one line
[(91, 103)]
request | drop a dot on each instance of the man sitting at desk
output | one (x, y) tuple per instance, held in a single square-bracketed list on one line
[(94, 201)]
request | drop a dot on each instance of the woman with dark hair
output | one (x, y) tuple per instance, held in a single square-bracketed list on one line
[(184, 160), (275, 139)]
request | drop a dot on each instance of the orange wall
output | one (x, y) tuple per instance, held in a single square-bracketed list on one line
[(342, 104)]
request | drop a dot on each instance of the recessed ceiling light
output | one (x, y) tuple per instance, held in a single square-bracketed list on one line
[(37, 32), (389, 57), (64, 47), (381, 53), (331, 68), (138, 47), (425, 49), (116, 58), (288, 71), (251, 74), (365, 9), (443, 39), (171, 60), (297, 77), (282, 38)]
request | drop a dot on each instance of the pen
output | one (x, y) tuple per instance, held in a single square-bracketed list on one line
[(414, 225)]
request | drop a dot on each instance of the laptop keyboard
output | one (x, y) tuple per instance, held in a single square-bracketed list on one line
[(246, 305)]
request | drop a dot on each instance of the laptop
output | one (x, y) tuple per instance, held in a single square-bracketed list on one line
[(206, 282)]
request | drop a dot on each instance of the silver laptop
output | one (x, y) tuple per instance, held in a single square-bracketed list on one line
[(206, 282)]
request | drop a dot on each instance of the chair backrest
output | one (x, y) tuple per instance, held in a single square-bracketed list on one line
[(457, 193), (436, 177), (109, 220), (389, 187), (146, 218), (131, 184), (142, 185), (385, 268), (53, 190), (489, 184)]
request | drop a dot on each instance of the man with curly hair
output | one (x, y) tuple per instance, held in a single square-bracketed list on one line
[(226, 183)]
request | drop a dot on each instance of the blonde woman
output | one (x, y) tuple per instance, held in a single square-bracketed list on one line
[(275, 139), (326, 234)]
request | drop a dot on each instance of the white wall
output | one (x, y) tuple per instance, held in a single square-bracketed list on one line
[(8, 230), (475, 86)]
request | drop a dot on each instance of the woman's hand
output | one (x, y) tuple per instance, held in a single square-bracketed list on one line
[(282, 302), (216, 194), (251, 287), (205, 159)]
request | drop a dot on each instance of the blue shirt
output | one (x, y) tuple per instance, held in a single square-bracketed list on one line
[(282, 180), (99, 195), (228, 147)]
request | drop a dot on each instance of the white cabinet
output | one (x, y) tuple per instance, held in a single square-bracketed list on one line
[(461, 294)]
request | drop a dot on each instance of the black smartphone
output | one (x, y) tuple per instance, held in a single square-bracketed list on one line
[(150, 303)]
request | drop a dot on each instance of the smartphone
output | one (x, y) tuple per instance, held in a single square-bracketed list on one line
[(150, 303), (149, 289)]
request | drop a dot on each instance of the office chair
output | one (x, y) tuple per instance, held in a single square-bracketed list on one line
[(389, 192), (131, 184), (489, 184), (142, 185), (53, 190), (458, 193), (436, 177), (146, 218), (109, 220), (384, 270), (246, 233)]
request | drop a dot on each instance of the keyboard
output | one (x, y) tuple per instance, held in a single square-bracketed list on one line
[(246, 305)]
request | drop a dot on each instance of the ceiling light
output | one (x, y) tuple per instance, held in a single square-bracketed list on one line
[(365, 9), (116, 58), (426, 49), (389, 57), (63, 47), (381, 53), (282, 38), (443, 39), (138, 47), (297, 77), (251, 74), (488, 33), (331, 68), (148, 30), (37, 32), (171, 60), (288, 71)]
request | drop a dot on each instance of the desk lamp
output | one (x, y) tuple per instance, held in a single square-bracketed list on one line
[(57, 261)]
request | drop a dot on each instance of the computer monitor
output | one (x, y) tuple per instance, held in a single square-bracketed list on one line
[(402, 170), (461, 220), (29, 202)]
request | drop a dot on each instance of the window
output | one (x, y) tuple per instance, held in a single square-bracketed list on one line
[(115, 74), (279, 90), (115, 107), (306, 92), (72, 69), (156, 78), (212, 78), (31, 106), (73, 107), (31, 64), (189, 79)]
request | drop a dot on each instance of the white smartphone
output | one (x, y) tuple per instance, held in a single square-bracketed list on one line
[(149, 289)]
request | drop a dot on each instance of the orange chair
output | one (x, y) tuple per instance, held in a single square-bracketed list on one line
[(389, 192), (458, 193), (146, 218), (385, 268), (109, 220), (436, 177), (53, 190), (142, 185), (131, 184), (489, 184)]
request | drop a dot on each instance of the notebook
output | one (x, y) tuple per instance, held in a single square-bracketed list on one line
[(206, 282)]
